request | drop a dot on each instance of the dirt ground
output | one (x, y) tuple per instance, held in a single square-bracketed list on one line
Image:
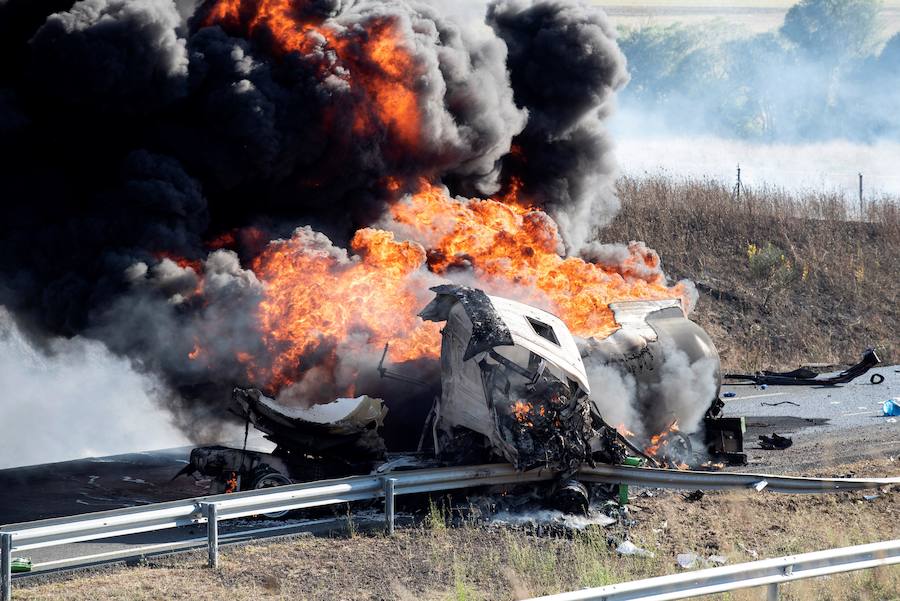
[(473, 559)]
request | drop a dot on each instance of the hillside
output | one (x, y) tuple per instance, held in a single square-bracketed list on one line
[(783, 279)]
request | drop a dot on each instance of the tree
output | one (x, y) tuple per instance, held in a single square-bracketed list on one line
[(833, 30)]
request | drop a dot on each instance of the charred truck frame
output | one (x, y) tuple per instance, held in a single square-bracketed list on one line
[(513, 386)]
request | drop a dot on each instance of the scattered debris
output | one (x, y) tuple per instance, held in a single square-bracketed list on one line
[(751, 552), (891, 407), (774, 442), (689, 561), (724, 437), (729, 395), (20, 564), (694, 496), (780, 403), (554, 518), (807, 377), (759, 486), (870, 497), (629, 548)]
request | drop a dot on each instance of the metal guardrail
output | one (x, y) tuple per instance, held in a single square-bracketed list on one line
[(767, 572), (687, 479), (212, 509)]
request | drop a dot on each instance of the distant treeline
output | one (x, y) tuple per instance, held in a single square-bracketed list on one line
[(826, 73)]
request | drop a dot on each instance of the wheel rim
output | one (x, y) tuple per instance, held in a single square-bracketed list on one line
[(270, 481)]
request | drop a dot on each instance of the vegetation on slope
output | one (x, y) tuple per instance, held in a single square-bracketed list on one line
[(783, 279)]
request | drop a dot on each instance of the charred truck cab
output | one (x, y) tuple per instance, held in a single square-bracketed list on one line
[(513, 384)]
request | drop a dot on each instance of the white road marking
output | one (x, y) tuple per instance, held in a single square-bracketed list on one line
[(850, 414), (758, 396)]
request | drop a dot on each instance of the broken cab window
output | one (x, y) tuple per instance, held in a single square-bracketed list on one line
[(543, 330)]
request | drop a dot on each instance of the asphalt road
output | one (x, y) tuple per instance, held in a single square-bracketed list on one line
[(830, 426)]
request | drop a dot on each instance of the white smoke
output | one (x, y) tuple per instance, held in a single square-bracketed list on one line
[(614, 393), (680, 390), (685, 389), (826, 167), (78, 401)]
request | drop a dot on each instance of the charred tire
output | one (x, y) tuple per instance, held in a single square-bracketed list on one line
[(268, 478), (876, 379), (678, 451), (571, 496)]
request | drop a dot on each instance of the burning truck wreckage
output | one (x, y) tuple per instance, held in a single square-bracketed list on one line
[(364, 228), (513, 387)]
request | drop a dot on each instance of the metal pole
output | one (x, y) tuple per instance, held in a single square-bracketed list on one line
[(772, 592), (212, 533), (5, 566), (862, 209), (389, 504)]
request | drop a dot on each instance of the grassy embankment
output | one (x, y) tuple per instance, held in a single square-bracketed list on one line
[(783, 279), (476, 562)]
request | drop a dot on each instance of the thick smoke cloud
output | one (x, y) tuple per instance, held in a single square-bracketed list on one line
[(136, 135), (651, 405), (565, 68)]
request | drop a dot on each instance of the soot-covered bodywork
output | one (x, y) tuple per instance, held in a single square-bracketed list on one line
[(512, 374), (515, 384), (345, 428)]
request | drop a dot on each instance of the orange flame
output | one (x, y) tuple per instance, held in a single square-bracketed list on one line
[(658, 444), (317, 295), (521, 411), (510, 244), (319, 300), (313, 296), (375, 62)]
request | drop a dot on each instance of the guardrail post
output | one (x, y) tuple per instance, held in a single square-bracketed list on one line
[(5, 566), (772, 592), (389, 504), (212, 533)]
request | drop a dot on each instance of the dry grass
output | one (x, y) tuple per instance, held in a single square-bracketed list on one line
[(841, 294), (473, 561)]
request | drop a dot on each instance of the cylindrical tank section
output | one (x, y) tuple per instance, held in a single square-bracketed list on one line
[(669, 367)]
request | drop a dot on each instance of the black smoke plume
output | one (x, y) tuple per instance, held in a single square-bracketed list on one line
[(135, 134), (565, 68)]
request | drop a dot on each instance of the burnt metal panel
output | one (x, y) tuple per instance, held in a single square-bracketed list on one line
[(488, 328)]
